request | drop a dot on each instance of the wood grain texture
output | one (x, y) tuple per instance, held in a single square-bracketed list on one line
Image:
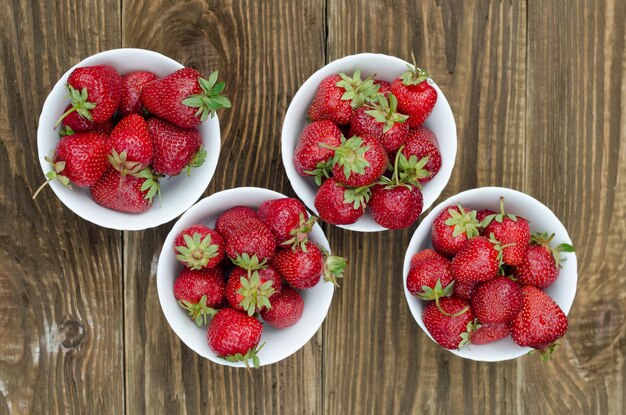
[(60, 277)]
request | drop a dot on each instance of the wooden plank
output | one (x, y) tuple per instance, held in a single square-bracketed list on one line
[(263, 54), (377, 360), (60, 277), (576, 164)]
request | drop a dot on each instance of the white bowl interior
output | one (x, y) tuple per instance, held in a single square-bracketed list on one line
[(280, 343), (541, 219), (387, 68), (177, 193)]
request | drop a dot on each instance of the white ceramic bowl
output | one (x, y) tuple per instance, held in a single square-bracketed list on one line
[(177, 193), (387, 68), (541, 219), (281, 343)]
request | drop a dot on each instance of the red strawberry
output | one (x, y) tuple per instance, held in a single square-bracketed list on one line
[(359, 161), (287, 307), (447, 329), (199, 247), (512, 231), (423, 255), (339, 95), (131, 147), (94, 91), (482, 214), (302, 268), (463, 290), (489, 332), (75, 123), (416, 97), (252, 238), (174, 148), (309, 158), (130, 193), (540, 265), (229, 221), (477, 260), (395, 206), (340, 205), (200, 292), (251, 291), (452, 228), (430, 278), (422, 159), (540, 322), (184, 98), (497, 300), (234, 336), (384, 86), (132, 85), (288, 220)]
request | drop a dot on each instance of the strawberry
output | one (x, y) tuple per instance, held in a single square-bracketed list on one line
[(337, 97), (488, 332), (174, 148), (447, 329), (229, 220), (251, 239), (463, 290), (422, 159), (130, 193), (497, 300), (478, 260), (199, 247), (511, 230), (540, 265), (234, 336), (131, 147), (430, 278), (251, 290), (384, 87), (309, 158), (287, 307), (94, 92), (200, 292), (540, 322), (359, 162), (452, 228), (74, 123), (132, 85), (395, 206), (184, 97), (423, 255), (288, 220), (303, 267), (482, 214), (416, 97), (339, 205)]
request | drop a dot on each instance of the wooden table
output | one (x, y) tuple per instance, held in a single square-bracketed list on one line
[(538, 89)]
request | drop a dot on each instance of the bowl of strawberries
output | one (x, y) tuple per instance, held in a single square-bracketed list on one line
[(490, 274), (369, 142), (129, 139), (245, 277)]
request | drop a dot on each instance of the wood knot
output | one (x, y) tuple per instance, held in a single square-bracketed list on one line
[(73, 334)]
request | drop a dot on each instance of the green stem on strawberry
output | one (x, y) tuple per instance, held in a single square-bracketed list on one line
[(350, 155), (196, 252), (248, 262), (334, 266), (300, 234), (198, 312), (79, 104), (251, 355), (445, 313), (546, 353), (255, 295), (357, 197), (438, 291), (54, 174), (209, 100), (357, 91), (464, 221), (543, 239), (384, 111), (414, 75), (322, 169), (498, 217)]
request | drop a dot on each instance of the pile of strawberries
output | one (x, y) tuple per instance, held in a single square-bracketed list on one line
[(252, 264), (485, 278), (122, 133), (366, 146)]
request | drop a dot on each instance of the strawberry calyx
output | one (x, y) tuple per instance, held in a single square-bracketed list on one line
[(464, 221), (497, 245), (198, 312), (542, 238), (411, 170), (384, 111), (209, 100), (197, 251), (414, 75), (546, 353), (394, 181), (471, 327), (434, 293), (357, 90), (357, 197), (252, 355), (151, 183), (54, 174), (121, 164), (322, 169), (350, 155), (197, 160), (334, 266), (79, 104), (300, 234), (498, 217), (255, 294), (248, 262), (66, 130)]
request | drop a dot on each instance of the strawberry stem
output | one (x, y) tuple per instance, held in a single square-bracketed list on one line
[(65, 114)]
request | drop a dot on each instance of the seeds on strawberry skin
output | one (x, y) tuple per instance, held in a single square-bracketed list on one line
[(416, 97), (339, 205), (288, 220), (199, 292), (132, 85), (174, 148), (251, 290), (126, 193), (488, 333), (497, 300), (446, 330), (231, 219), (395, 207), (309, 158), (429, 272), (252, 238), (234, 336), (287, 308), (452, 227), (512, 231), (478, 260)]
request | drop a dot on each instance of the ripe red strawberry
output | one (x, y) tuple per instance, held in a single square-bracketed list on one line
[(452, 228), (174, 148), (540, 265), (478, 260), (512, 231), (309, 158), (339, 205), (229, 221), (489, 332), (132, 85), (131, 146), (540, 322), (339, 95), (423, 159), (423, 255), (184, 98), (395, 206), (94, 91), (416, 97), (200, 292), (302, 268), (430, 278), (234, 336), (130, 193), (497, 300), (482, 214), (359, 161), (384, 87), (252, 238), (251, 291), (447, 329), (199, 247), (287, 307), (288, 220), (75, 123), (463, 290)]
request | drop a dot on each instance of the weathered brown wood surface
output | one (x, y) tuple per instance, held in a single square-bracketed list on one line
[(537, 89)]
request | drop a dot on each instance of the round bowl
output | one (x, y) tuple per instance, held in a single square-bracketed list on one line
[(177, 193), (541, 219), (387, 68), (281, 343)]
